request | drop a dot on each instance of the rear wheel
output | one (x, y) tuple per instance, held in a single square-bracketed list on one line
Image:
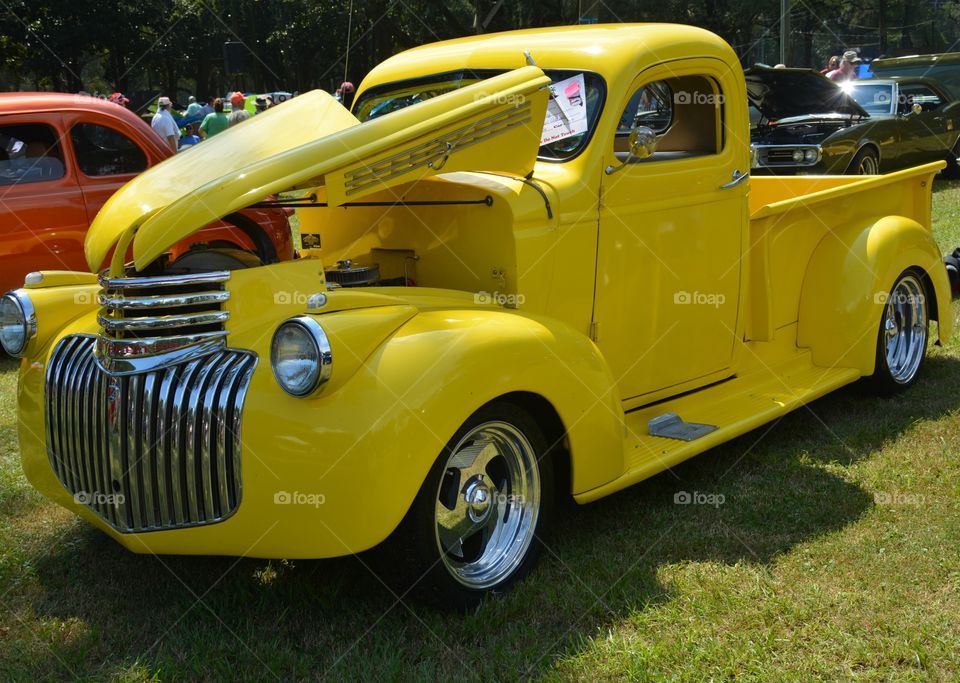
[(865, 163), (477, 523), (902, 337)]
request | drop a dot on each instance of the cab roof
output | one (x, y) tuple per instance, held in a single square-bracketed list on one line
[(608, 49)]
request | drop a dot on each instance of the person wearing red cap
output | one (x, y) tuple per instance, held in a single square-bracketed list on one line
[(237, 100), (344, 94), (118, 98)]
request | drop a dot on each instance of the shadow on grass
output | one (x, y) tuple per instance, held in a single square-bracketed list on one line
[(223, 618)]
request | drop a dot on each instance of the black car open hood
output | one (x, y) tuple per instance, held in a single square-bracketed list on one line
[(782, 93)]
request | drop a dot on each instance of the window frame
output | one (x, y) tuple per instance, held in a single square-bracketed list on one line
[(147, 163)]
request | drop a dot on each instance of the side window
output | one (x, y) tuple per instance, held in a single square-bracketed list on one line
[(919, 94), (29, 153), (103, 151), (685, 112)]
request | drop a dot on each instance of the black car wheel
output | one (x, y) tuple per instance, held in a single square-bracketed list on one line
[(865, 163)]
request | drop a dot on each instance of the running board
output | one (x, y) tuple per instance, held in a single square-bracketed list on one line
[(735, 407)]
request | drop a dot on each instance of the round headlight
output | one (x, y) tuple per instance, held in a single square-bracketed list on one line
[(18, 322), (798, 155), (300, 355), (810, 155)]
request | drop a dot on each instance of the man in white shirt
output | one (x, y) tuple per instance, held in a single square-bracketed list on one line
[(164, 124)]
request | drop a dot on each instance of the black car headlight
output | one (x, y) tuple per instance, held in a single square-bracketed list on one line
[(18, 322), (300, 356)]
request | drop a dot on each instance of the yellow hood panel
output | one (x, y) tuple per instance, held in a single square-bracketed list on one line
[(494, 125)]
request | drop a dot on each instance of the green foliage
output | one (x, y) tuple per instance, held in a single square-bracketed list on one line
[(176, 46)]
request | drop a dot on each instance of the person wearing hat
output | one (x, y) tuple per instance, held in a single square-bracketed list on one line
[(344, 94), (164, 124), (847, 71), (118, 98), (237, 100), (261, 104), (193, 107)]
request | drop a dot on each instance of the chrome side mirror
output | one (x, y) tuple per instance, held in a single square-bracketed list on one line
[(642, 144), (916, 108)]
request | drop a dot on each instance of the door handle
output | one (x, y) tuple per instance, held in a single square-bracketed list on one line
[(738, 178)]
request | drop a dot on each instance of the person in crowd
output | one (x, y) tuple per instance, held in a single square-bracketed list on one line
[(190, 138), (344, 94), (237, 100), (164, 124), (847, 71), (832, 64), (214, 122), (260, 104), (207, 107), (780, 66), (118, 98), (193, 107)]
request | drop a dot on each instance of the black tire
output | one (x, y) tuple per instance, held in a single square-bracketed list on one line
[(865, 160), (903, 334), (952, 171), (412, 559)]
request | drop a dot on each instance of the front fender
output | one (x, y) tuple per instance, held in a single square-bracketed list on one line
[(847, 282)]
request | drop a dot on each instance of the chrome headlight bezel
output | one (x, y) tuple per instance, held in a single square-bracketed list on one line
[(26, 320), (321, 355)]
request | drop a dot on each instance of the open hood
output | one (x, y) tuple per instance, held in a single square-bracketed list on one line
[(784, 93), (494, 125)]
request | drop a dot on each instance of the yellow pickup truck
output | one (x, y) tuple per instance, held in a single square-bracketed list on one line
[(537, 267)]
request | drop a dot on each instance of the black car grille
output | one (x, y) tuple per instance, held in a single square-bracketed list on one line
[(153, 450)]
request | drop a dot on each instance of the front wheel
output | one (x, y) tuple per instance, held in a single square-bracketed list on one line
[(902, 337), (476, 525), (865, 163)]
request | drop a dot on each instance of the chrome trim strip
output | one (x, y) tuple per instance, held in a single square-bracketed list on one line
[(423, 155), (167, 301), (153, 353), (163, 280), (164, 322)]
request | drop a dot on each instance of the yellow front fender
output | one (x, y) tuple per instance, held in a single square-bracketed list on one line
[(847, 282)]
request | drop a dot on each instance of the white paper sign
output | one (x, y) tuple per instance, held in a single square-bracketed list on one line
[(566, 110)]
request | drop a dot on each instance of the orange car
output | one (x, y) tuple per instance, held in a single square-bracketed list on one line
[(62, 156)]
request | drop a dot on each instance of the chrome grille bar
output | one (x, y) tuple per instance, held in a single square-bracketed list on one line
[(153, 450)]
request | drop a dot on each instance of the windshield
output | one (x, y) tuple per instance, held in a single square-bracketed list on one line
[(383, 99), (876, 98)]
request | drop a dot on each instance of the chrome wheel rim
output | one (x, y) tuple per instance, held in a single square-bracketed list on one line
[(905, 329), (868, 165), (487, 505)]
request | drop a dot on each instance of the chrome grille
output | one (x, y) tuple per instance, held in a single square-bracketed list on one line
[(148, 322), (150, 451)]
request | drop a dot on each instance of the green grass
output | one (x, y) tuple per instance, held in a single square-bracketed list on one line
[(834, 555)]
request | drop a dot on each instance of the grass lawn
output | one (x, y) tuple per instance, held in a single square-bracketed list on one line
[(834, 554)]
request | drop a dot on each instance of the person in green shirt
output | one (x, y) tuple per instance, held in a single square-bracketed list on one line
[(215, 122)]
